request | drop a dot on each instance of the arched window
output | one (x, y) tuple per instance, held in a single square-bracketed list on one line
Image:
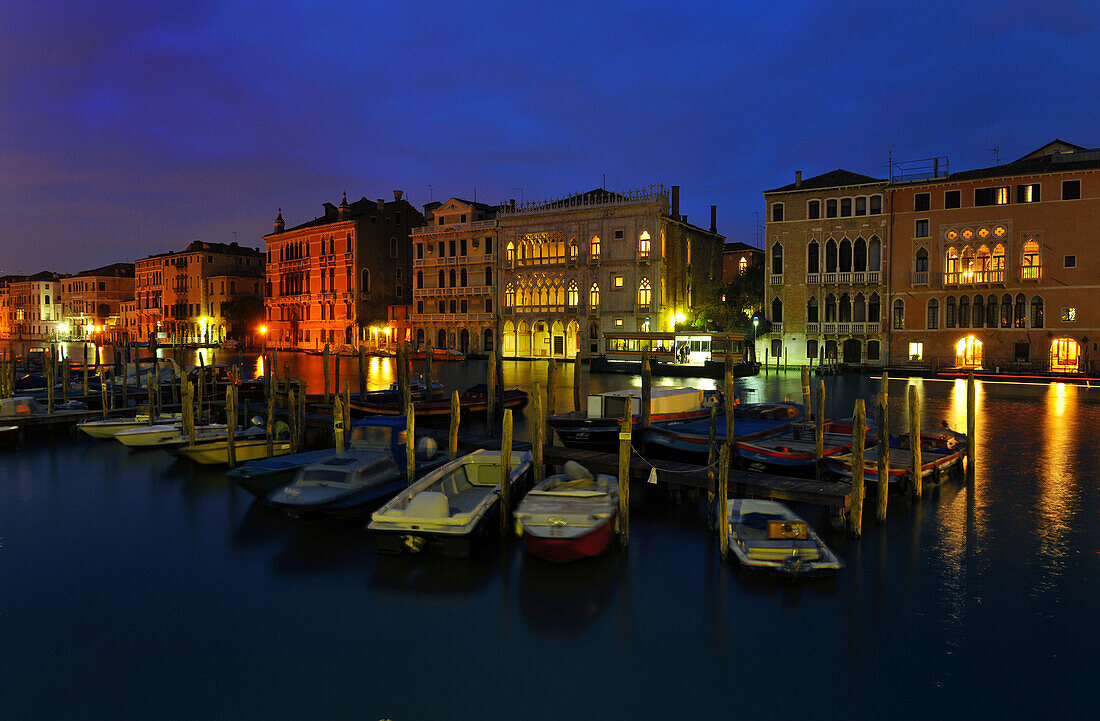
[(332, 245), (967, 265), (830, 256), (1021, 311), (573, 249), (364, 283), (859, 261), (510, 253), (874, 253), (997, 266), (811, 310), (645, 293), (830, 308), (951, 266), (859, 309), (1036, 312), (845, 308), (573, 296), (488, 275), (777, 259), (951, 312), (845, 256), (594, 295), (419, 279), (874, 313), (393, 246), (899, 314), (742, 265), (462, 278), (454, 276), (982, 262), (510, 296), (922, 260), (991, 312), (442, 279), (644, 244), (1006, 311), (933, 317), (594, 248), (813, 261), (964, 312), (1031, 261), (777, 311), (979, 311)]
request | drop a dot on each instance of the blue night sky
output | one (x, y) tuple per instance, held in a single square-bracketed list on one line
[(129, 128)]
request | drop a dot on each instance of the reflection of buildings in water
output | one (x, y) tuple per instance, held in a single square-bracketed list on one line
[(564, 599), (1056, 471)]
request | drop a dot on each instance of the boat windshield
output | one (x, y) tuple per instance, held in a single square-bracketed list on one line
[(363, 437), (324, 476)]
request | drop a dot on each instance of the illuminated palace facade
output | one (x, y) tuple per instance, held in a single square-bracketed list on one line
[(454, 264), (341, 277), (92, 308), (576, 267), (987, 268), (825, 241), (178, 294), (997, 267)]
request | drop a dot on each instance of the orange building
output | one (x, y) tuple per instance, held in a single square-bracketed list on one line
[(93, 303), (995, 267)]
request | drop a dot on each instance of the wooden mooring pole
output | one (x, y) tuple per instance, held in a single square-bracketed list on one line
[(915, 441), (578, 394), (538, 431), (231, 424), (506, 473), (806, 390), (819, 428), (883, 451), (410, 447), (271, 425), (362, 372), (428, 358), (328, 396), (347, 410), (189, 412), (712, 458), (491, 394), (293, 418), (103, 389), (971, 428), (646, 414), (84, 347), (48, 366), (551, 395), (456, 417), (624, 478), (859, 437), (723, 500), (338, 423)]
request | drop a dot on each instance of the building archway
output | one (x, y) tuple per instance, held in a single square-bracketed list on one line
[(523, 339), (464, 340), (968, 352), (1065, 354), (441, 338), (557, 340), (540, 339), (853, 351), (572, 333), (419, 337), (509, 339), (487, 341)]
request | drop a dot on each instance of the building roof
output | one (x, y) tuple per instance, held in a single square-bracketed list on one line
[(120, 270), (1054, 160), (208, 247), (833, 179), (738, 246), (357, 209)]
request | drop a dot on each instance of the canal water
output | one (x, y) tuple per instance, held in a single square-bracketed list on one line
[(136, 586)]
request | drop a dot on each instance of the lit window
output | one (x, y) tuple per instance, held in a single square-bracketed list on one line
[(594, 249), (742, 265), (643, 244), (1069, 315), (999, 231), (573, 295), (1028, 193), (916, 351), (594, 295), (618, 322), (617, 281), (645, 293), (1000, 196)]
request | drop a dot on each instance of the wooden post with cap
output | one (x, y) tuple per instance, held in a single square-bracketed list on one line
[(624, 476), (325, 355), (410, 447), (859, 437), (231, 424), (456, 417), (723, 500), (915, 441), (538, 431), (506, 473), (883, 451)]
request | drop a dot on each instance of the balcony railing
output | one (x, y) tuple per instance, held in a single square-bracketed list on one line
[(848, 328), (777, 327), (643, 307), (451, 228), (1030, 272), (775, 279), (813, 278), (919, 277), (417, 317), (813, 327), (643, 256), (460, 290), (975, 277)]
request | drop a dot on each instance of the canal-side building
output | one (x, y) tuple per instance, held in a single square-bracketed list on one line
[(573, 268), (127, 315), (996, 267), (172, 290), (35, 307), (454, 259), (824, 284), (92, 307), (738, 258), (333, 279)]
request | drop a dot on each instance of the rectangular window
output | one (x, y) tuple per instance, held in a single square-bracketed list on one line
[(420, 251), (830, 208), (952, 199), (440, 220), (811, 349), (1022, 352), (462, 246), (921, 230), (983, 196), (845, 207), (462, 307), (916, 351), (777, 212), (1070, 261), (1069, 315), (618, 235), (488, 305), (876, 204), (922, 202), (1071, 190), (813, 211), (420, 307), (397, 218), (861, 206), (442, 305), (488, 245), (1000, 195), (618, 322), (451, 248), (616, 281), (1028, 193), (463, 218)]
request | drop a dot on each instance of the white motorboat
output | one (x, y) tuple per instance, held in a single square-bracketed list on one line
[(768, 536), (449, 506), (568, 516), (112, 426), (167, 435)]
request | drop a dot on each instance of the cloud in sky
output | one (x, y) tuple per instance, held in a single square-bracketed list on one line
[(128, 129)]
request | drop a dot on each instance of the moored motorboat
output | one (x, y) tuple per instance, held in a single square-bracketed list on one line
[(111, 427), (794, 447), (372, 468), (264, 475), (165, 435), (450, 506), (942, 452), (474, 400), (768, 536), (597, 426), (751, 420), (569, 516), (249, 444)]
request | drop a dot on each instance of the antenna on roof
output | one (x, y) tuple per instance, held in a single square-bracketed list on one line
[(996, 150), (520, 193), (475, 193), (431, 193)]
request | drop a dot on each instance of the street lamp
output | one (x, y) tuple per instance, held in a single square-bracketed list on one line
[(755, 325), (263, 333)]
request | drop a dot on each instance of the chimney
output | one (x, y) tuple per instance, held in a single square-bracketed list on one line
[(397, 194), (381, 205), (798, 178), (683, 218), (279, 225), (675, 201), (342, 211), (714, 218)]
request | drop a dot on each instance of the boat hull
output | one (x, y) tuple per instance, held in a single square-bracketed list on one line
[(216, 453), (603, 433), (514, 399), (544, 545)]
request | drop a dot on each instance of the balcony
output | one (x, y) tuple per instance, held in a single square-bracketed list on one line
[(775, 279), (813, 278), (1030, 272), (594, 258), (643, 308), (777, 328), (813, 327), (593, 311), (459, 290), (451, 317), (977, 277), (644, 256), (918, 277)]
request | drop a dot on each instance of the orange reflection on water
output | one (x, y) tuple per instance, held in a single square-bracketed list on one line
[(258, 372), (1055, 469)]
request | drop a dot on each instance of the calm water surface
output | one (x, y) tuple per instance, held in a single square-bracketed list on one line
[(136, 586)]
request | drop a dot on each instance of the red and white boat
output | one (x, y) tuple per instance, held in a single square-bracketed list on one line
[(569, 516)]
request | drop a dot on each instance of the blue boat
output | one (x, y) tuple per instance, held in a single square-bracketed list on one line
[(751, 421), (372, 469), (262, 476)]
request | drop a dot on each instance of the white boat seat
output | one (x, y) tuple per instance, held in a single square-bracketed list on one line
[(428, 504), (455, 482)]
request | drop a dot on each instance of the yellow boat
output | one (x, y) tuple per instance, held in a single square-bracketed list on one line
[(216, 453), (768, 536)]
